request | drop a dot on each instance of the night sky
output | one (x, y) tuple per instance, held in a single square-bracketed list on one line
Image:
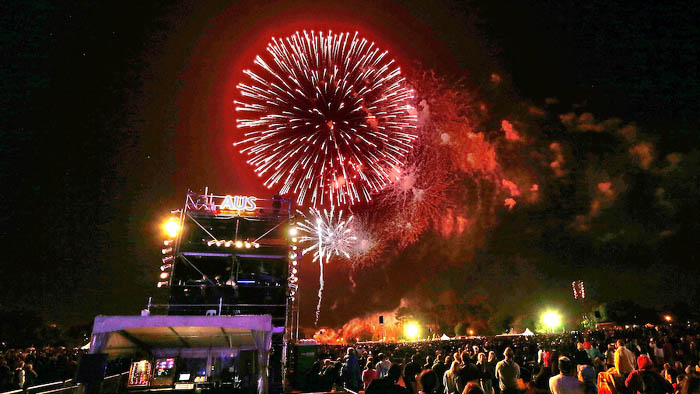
[(112, 110)]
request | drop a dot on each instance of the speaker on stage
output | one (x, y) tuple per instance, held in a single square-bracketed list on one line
[(91, 368)]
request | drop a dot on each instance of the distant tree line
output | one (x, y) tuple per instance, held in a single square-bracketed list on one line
[(21, 328)]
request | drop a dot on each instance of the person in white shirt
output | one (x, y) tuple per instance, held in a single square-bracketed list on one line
[(564, 383)]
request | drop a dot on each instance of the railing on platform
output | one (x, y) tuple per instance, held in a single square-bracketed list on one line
[(220, 309), (112, 384)]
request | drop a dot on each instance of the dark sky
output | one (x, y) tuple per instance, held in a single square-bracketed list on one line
[(112, 110)]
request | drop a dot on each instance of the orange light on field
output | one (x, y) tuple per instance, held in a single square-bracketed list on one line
[(668, 318), (171, 227), (471, 332)]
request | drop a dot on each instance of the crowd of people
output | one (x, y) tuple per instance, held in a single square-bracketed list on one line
[(22, 368), (658, 360)]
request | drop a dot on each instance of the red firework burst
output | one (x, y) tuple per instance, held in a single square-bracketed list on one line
[(328, 117)]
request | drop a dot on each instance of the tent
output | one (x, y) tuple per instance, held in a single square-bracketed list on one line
[(527, 332), (185, 336), (445, 337)]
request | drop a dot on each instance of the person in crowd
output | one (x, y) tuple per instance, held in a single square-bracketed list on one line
[(350, 371), (472, 388), (369, 374), (388, 384), (30, 376), (427, 382), (587, 375), (5, 376), (440, 367), (508, 372), (327, 376), (592, 350), (449, 380), (691, 385), (468, 372), (610, 356), (484, 375), (428, 362), (624, 359), (541, 380), (581, 356), (383, 365), (564, 383), (410, 370), (645, 380), (669, 373), (491, 367)]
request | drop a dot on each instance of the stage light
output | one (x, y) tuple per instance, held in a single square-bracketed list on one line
[(171, 227), (256, 245), (294, 270), (294, 263), (228, 244), (167, 250), (293, 231), (294, 239), (247, 244), (294, 247), (471, 332), (668, 318), (292, 256), (164, 275), (167, 242), (412, 330), (551, 319), (166, 267), (167, 259), (210, 243), (162, 283), (239, 244)]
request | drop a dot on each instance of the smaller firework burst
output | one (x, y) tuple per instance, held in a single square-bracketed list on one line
[(328, 235)]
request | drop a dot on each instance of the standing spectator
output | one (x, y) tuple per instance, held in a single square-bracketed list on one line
[(491, 367), (387, 384), (581, 356), (449, 380), (369, 374), (624, 359), (484, 374), (410, 370), (5, 375), (383, 365), (564, 383), (18, 378), (427, 382), (508, 372), (610, 356), (440, 368), (30, 376)]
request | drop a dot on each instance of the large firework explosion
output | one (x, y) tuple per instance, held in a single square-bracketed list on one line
[(328, 117)]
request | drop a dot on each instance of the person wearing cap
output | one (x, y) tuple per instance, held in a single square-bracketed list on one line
[(564, 383), (508, 372)]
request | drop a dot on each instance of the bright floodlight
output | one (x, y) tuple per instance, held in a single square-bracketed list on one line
[(172, 227), (411, 330), (551, 319), (667, 318)]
